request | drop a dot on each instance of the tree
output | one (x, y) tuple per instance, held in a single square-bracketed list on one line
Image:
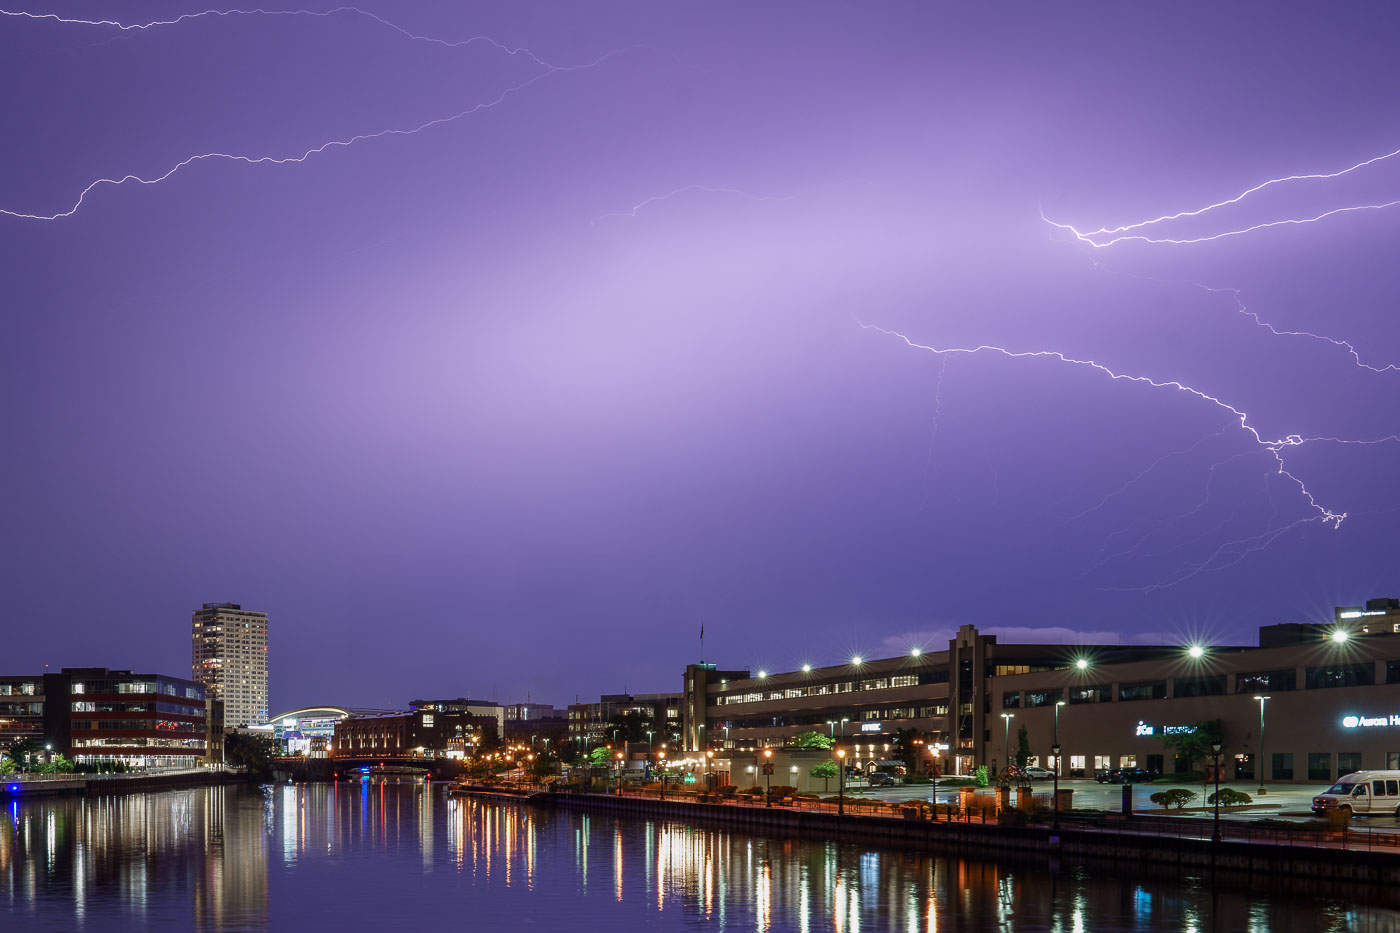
[(599, 757), (23, 750), (812, 740), (7, 765), (253, 752), (1023, 747), (825, 770), (630, 726), (57, 764), (1196, 742), (905, 749)]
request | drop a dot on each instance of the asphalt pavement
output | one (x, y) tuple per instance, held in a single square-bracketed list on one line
[(1281, 801)]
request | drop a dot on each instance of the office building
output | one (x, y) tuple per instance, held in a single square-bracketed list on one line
[(229, 657), (95, 715), (1310, 702)]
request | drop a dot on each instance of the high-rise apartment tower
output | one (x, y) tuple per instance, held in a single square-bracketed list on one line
[(229, 657)]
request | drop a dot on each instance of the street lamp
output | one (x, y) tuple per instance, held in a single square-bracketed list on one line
[(768, 777), (709, 769), (662, 755), (933, 750), (831, 724), (1262, 700), (843, 727), (1008, 717), (840, 781), (619, 773), (1055, 749), (1056, 741), (1215, 833)]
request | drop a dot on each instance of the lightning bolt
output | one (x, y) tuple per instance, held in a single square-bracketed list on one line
[(1241, 231), (224, 14), (1230, 552), (685, 189), (1109, 236), (307, 154)]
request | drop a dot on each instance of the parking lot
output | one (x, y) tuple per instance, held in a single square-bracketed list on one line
[(1281, 802)]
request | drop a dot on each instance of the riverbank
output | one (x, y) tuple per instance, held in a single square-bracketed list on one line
[(91, 785), (1155, 843)]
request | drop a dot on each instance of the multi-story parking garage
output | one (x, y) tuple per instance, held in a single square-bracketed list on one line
[(1309, 702)]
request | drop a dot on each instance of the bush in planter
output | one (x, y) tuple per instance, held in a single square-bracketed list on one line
[(982, 777), (783, 790), (1229, 797), (755, 791), (1177, 797)]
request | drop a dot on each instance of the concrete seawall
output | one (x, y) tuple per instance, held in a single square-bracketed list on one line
[(94, 785), (1125, 846)]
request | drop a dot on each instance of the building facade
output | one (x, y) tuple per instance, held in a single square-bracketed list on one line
[(1310, 702), (591, 724), (419, 733), (97, 715), (229, 658), (483, 709)]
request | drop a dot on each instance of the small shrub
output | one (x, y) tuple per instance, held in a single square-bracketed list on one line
[(1177, 797), (783, 790), (981, 777), (1229, 797), (916, 779)]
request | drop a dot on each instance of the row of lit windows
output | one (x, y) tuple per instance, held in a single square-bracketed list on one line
[(827, 689), (1360, 674)]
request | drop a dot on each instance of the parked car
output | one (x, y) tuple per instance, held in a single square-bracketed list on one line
[(881, 779), (1108, 777), (1133, 776)]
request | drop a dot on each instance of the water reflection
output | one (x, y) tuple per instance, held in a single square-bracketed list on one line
[(359, 856)]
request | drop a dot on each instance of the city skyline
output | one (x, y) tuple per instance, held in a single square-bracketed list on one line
[(501, 367)]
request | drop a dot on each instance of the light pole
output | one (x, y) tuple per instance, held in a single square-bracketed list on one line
[(662, 756), (831, 724), (1215, 832), (1262, 700), (1055, 749), (1007, 749), (933, 750), (619, 773), (709, 769), (840, 781), (768, 777)]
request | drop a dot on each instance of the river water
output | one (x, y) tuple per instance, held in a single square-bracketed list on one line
[(389, 856)]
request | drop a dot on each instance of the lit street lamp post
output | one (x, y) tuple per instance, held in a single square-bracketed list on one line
[(1260, 766), (840, 781), (662, 755), (1055, 749), (768, 777)]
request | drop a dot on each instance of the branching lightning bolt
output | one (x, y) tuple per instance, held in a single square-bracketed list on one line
[(1237, 549), (1109, 236), (294, 159), (336, 11)]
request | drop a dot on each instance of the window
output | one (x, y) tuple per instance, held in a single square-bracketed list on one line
[(1076, 765), (1090, 694), (1283, 766), (1362, 674), (1392, 672), (1103, 762), (1156, 690), (905, 680), (934, 677), (1347, 762), (1011, 701), (427, 719), (1209, 685), (1044, 697), (1319, 766), (1266, 680), (1127, 761)]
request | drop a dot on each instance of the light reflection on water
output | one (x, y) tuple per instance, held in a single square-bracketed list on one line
[(394, 856)]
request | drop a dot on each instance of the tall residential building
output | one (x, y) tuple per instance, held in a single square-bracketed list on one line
[(229, 657)]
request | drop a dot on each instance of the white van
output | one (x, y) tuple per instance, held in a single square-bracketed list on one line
[(1362, 792)]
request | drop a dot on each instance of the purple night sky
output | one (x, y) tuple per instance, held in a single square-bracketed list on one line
[(514, 404)]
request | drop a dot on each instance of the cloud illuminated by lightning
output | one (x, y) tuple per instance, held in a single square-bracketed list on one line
[(336, 11), (304, 156)]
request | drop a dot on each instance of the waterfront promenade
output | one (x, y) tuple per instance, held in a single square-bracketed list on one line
[(50, 785)]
